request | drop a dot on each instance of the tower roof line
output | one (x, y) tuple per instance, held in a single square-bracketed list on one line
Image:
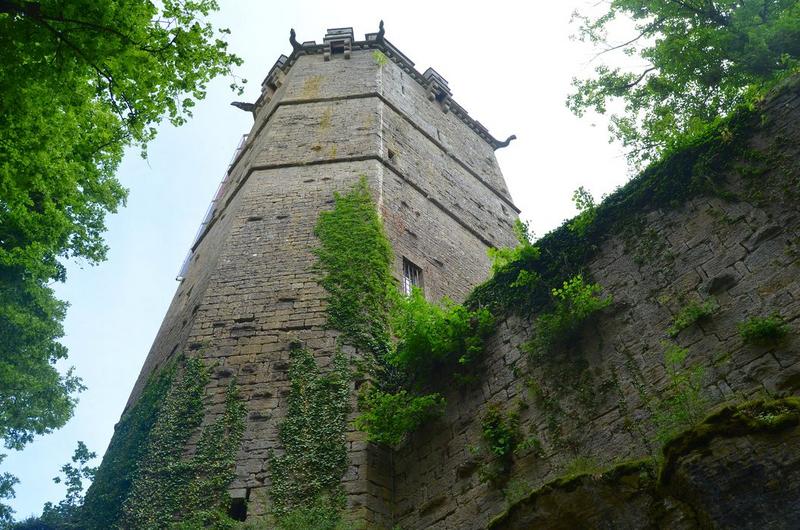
[(377, 41)]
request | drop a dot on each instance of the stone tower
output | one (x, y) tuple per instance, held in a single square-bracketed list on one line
[(329, 115)]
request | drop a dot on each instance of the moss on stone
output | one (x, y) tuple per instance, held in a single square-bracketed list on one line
[(752, 417), (643, 469), (730, 421), (694, 169)]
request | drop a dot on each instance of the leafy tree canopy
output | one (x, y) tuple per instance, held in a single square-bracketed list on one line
[(80, 80), (696, 60)]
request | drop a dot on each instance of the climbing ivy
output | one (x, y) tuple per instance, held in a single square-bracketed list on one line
[(355, 260), (406, 339), (171, 490), (102, 505), (306, 477), (146, 481)]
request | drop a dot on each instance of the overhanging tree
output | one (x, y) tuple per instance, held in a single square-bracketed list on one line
[(697, 60), (80, 80)]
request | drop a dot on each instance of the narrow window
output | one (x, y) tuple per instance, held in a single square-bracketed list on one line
[(412, 276)]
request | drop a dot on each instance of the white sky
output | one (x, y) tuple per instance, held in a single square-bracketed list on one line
[(509, 64)]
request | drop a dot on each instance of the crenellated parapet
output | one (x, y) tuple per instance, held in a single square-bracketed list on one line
[(341, 42)]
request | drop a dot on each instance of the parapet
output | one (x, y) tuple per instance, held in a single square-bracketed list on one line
[(342, 41)]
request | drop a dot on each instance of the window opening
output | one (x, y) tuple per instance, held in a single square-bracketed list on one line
[(412, 276)]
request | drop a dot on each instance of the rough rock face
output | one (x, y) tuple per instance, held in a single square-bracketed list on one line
[(714, 477)]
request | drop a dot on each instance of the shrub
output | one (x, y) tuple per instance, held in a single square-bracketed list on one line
[(386, 417), (503, 258), (500, 432), (573, 304), (501, 436), (691, 313), (431, 335), (764, 331), (585, 204)]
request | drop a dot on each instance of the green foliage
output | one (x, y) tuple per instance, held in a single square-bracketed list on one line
[(380, 58), (501, 432), (79, 81), (7, 483), (306, 477), (355, 258), (584, 202), (573, 304), (102, 507), (525, 249), (763, 331), (697, 62), (697, 168), (503, 439), (690, 314), (682, 404), (430, 336), (170, 489), (582, 465), (34, 397), (431, 339), (66, 514), (386, 417), (323, 513)]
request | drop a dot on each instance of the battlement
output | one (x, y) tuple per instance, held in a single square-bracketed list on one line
[(341, 41)]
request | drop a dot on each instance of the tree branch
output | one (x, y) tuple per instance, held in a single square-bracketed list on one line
[(638, 80)]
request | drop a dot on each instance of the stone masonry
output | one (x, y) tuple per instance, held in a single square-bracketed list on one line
[(594, 402), (328, 116), (333, 113)]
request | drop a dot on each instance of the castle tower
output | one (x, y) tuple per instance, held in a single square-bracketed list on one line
[(329, 115)]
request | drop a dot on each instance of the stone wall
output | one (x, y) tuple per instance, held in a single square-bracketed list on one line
[(592, 404)]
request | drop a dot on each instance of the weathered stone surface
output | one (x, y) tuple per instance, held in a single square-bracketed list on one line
[(749, 479), (251, 287), (595, 401)]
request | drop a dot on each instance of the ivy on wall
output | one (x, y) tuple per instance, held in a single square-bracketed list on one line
[(355, 259), (306, 477), (146, 481), (408, 340), (170, 488), (694, 169), (102, 506)]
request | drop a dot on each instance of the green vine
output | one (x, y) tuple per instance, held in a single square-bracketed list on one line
[(102, 505), (355, 259), (171, 490), (306, 478), (406, 339), (145, 480)]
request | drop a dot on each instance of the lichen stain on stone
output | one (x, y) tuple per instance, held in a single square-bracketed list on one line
[(311, 86), (325, 120)]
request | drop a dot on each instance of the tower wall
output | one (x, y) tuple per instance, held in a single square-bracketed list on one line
[(251, 287)]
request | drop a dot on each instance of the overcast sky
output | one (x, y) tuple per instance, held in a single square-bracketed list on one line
[(509, 64)]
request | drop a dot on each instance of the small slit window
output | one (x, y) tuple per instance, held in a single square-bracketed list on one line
[(412, 276)]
